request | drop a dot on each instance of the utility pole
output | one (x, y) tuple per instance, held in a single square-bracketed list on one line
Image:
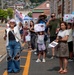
[(2, 4), (62, 9)]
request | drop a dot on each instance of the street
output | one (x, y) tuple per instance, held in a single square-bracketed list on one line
[(28, 64)]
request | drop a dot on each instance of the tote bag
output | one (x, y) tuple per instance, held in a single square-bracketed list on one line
[(27, 38)]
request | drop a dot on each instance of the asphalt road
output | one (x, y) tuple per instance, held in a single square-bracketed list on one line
[(30, 67)]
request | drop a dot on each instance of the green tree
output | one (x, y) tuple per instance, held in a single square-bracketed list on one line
[(30, 14), (5, 14), (1, 15), (10, 12)]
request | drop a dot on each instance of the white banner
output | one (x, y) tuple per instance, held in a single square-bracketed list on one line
[(19, 16), (39, 27), (69, 18)]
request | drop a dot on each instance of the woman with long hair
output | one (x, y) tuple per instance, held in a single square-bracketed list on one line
[(62, 49), (33, 36)]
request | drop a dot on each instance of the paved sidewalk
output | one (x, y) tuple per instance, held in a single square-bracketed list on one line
[(2, 42)]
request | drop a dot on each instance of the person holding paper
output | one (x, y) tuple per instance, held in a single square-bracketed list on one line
[(53, 25), (62, 48)]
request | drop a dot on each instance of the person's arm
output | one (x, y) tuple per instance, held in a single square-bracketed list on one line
[(57, 39), (32, 29), (64, 38), (48, 23)]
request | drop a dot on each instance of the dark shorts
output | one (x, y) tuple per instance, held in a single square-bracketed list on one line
[(52, 39), (21, 31), (70, 46)]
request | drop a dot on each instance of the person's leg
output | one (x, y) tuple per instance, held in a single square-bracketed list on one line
[(10, 51), (53, 52), (39, 55), (9, 59), (16, 66), (53, 49), (65, 62), (44, 54), (33, 41), (70, 45), (61, 64)]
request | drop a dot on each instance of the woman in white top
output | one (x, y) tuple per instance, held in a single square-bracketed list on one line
[(70, 41), (13, 47), (62, 49)]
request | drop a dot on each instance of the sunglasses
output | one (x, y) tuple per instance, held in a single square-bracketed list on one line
[(52, 16)]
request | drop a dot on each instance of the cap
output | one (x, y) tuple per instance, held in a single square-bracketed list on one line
[(13, 20)]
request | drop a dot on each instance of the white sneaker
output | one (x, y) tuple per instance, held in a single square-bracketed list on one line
[(34, 49), (35, 53), (43, 60), (38, 60), (52, 57)]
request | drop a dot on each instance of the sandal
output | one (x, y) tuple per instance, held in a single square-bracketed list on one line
[(63, 72), (60, 71)]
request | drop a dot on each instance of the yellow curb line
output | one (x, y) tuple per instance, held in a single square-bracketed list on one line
[(5, 73), (27, 65)]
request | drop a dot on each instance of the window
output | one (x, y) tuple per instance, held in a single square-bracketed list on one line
[(47, 5)]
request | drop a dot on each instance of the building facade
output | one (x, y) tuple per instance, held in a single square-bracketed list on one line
[(59, 7), (42, 8)]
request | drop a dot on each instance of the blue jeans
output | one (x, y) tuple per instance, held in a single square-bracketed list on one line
[(13, 56)]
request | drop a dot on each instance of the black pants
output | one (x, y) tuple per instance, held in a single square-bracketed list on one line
[(70, 46), (33, 37)]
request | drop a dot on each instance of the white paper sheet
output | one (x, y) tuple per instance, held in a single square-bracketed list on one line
[(53, 44)]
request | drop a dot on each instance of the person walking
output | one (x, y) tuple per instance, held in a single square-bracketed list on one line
[(62, 48), (53, 25), (13, 47)]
